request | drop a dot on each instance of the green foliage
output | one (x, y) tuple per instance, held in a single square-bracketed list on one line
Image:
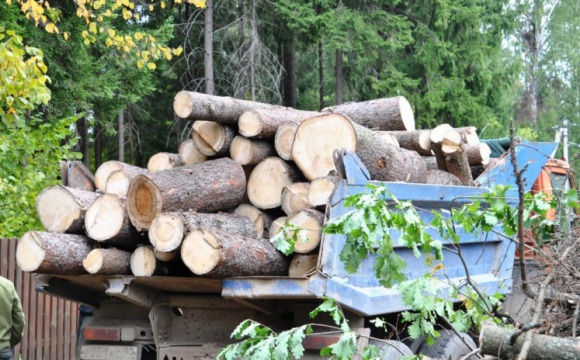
[(30, 147)]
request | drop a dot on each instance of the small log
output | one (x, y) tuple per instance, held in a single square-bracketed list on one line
[(76, 175), (62, 209), (215, 253), (477, 154), (302, 265), (107, 221), (417, 140), (436, 143), (168, 229), (295, 197), (309, 222), (260, 219), (277, 225), (163, 161), (440, 177), (382, 114), (469, 135), (165, 256), (264, 123), (106, 168), (321, 189), (497, 341), (189, 153), (250, 152), (52, 253), (118, 182), (211, 138), (284, 140), (108, 262), (226, 110), (210, 186), (267, 181), (144, 263), (455, 157)]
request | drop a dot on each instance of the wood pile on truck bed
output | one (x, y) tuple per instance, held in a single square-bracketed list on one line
[(248, 169)]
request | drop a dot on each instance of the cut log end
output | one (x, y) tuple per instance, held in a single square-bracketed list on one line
[(267, 181), (163, 161), (241, 150), (201, 251), (103, 172), (29, 253), (255, 215), (166, 232), (277, 225), (295, 197), (183, 104), (144, 202), (284, 140), (189, 153), (310, 224), (208, 137), (57, 209), (105, 217), (118, 183), (320, 190), (143, 261), (250, 123), (93, 262), (407, 115)]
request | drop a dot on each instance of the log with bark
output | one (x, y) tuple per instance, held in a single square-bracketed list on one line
[(168, 229), (430, 162), (163, 161), (295, 197), (284, 140), (321, 189), (106, 168), (440, 177), (417, 140), (118, 182), (250, 152), (263, 123), (317, 138), (456, 160), (107, 221), (108, 262), (53, 253), (215, 253), (382, 114), (302, 265), (497, 341), (144, 263), (477, 154), (62, 209), (189, 153), (267, 181), (309, 222), (76, 174), (260, 219), (277, 225), (210, 186), (436, 137), (211, 138), (386, 137)]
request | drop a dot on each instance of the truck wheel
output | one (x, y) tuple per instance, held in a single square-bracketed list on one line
[(391, 349), (449, 346)]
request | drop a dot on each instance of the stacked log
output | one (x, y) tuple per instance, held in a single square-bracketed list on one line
[(247, 170)]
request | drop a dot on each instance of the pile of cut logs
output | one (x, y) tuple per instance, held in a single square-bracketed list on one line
[(248, 169)]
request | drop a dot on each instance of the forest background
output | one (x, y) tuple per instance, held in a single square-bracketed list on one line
[(98, 84)]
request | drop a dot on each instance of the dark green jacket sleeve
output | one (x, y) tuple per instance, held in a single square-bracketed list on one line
[(17, 321)]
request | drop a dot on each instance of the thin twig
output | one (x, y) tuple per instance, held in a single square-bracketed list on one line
[(575, 319)]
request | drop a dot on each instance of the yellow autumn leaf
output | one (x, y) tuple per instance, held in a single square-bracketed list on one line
[(126, 14), (84, 34), (108, 13), (151, 8), (93, 28), (198, 3), (438, 267), (178, 51), (108, 42), (151, 66), (65, 35), (9, 2), (163, 4), (168, 55), (139, 64), (101, 29), (50, 28), (111, 32), (87, 42)]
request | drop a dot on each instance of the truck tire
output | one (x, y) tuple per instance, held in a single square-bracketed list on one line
[(391, 349), (449, 346)]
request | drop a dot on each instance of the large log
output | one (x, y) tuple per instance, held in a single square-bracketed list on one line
[(260, 219), (263, 123), (163, 161), (76, 174), (62, 209), (215, 253), (309, 223), (107, 221), (295, 197), (267, 181), (211, 138), (382, 114), (108, 262), (210, 186), (284, 140), (317, 138), (417, 140), (168, 229), (189, 153), (52, 253), (497, 341), (226, 110), (106, 168), (250, 152), (321, 189)]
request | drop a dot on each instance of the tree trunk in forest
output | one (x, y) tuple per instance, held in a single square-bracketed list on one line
[(295, 197), (497, 341), (53, 253), (208, 48), (261, 220), (83, 131), (108, 167), (108, 262), (212, 138), (267, 181), (284, 140), (206, 187), (189, 154), (121, 134), (168, 229), (215, 253), (290, 75), (309, 223), (250, 152), (263, 123), (163, 161), (98, 144), (302, 265), (62, 209), (107, 221), (321, 74), (339, 77)]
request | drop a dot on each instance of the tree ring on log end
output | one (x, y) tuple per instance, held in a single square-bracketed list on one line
[(200, 251), (105, 217), (183, 104), (407, 113), (143, 261), (144, 202), (103, 172), (250, 123), (30, 253), (57, 209), (241, 150), (208, 137), (166, 233), (284, 140), (93, 262)]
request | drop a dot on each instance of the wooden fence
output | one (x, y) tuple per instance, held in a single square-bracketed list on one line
[(51, 323)]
